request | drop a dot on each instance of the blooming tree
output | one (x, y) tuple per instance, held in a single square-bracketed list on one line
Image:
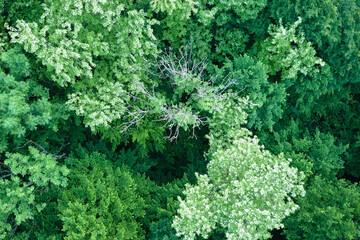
[(247, 190), (291, 54)]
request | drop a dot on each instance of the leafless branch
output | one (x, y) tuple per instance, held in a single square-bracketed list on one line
[(5, 176), (178, 69), (171, 66), (170, 116), (43, 150)]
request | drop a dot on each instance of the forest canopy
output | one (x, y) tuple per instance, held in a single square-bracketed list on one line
[(179, 119)]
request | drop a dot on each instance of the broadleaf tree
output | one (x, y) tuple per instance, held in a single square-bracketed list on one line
[(110, 109), (247, 190)]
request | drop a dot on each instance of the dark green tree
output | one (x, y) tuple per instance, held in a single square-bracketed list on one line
[(330, 210), (101, 201)]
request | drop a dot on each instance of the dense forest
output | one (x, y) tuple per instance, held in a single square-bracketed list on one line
[(180, 119)]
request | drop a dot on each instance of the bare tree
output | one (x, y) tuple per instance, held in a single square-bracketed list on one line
[(184, 74)]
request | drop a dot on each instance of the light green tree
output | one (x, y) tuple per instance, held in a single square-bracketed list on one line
[(286, 52), (96, 49), (26, 176), (247, 190)]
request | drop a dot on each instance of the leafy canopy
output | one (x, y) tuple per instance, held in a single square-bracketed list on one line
[(247, 190)]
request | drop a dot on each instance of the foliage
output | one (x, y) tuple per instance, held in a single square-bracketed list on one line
[(171, 6), (18, 114), (286, 52), (68, 49), (332, 26), (101, 201), (103, 85), (178, 14), (72, 52), (253, 81), (244, 9), (161, 205), (322, 150), (330, 210), (25, 105), (13, 10), (27, 174), (247, 190)]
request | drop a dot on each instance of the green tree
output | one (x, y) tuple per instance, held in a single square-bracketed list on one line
[(26, 108), (323, 151), (26, 175), (101, 200), (330, 210), (297, 80), (27, 168), (247, 190), (332, 27), (77, 41), (24, 105)]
